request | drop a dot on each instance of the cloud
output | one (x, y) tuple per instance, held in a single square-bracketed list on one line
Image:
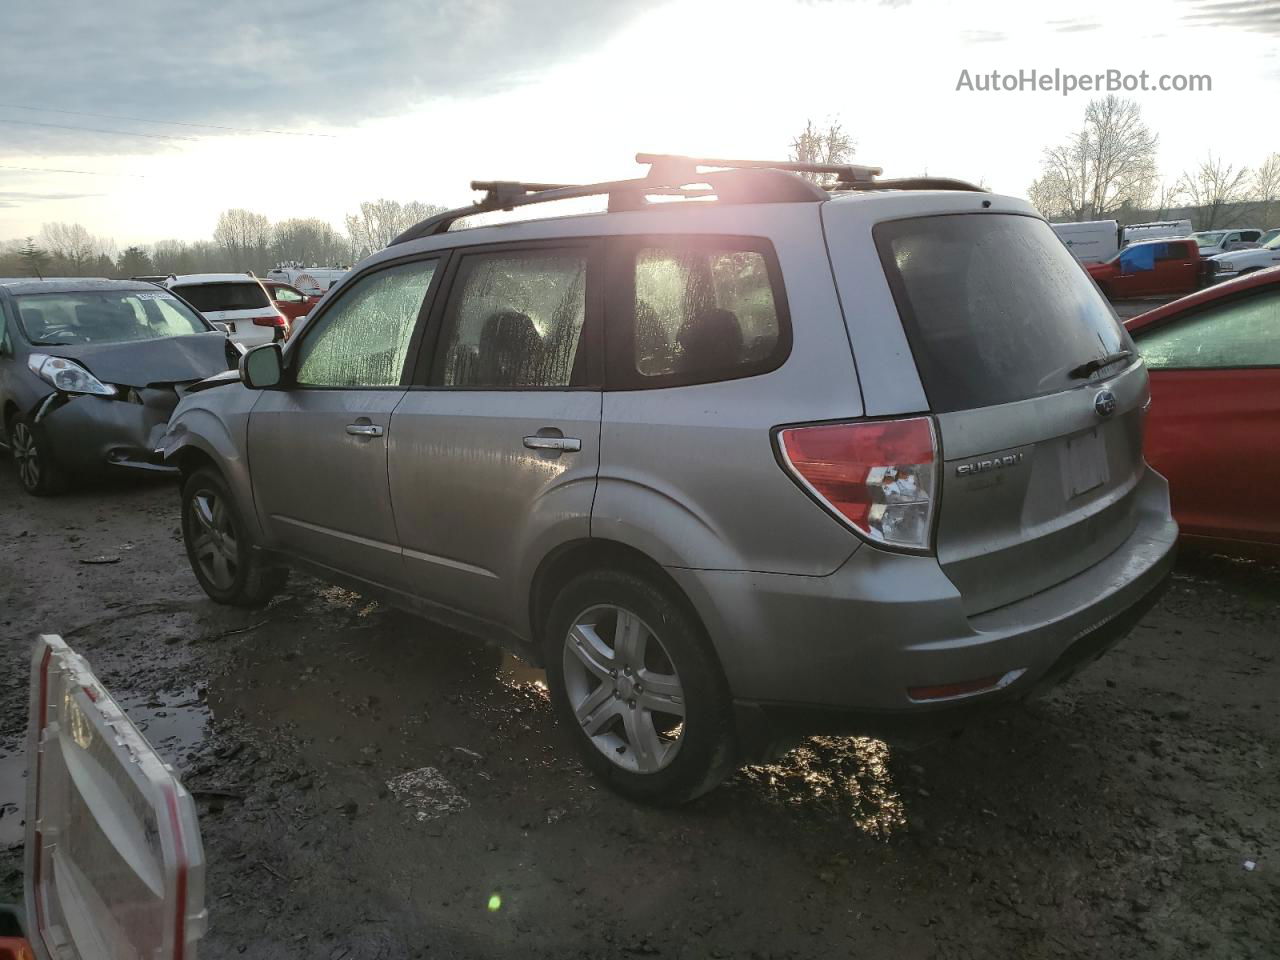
[(1073, 26), (14, 198), (985, 36), (1255, 16), (291, 62)]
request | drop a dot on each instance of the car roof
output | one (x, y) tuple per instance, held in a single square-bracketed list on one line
[(1221, 291), (24, 285), (189, 278)]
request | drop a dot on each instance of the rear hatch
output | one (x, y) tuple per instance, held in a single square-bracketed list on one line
[(230, 303), (1041, 454)]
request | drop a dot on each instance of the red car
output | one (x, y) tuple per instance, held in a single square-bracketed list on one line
[(1150, 268), (289, 300), (1214, 425)]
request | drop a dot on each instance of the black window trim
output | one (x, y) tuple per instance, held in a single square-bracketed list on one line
[(1200, 310), (587, 373), (621, 372), (315, 321)]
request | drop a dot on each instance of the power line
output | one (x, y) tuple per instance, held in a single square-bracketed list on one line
[(118, 133), (90, 173), (179, 123)]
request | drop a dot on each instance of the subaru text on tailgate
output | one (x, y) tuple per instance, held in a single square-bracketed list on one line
[(867, 454)]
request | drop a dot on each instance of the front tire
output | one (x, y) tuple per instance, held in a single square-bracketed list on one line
[(220, 547), (639, 688), (38, 471)]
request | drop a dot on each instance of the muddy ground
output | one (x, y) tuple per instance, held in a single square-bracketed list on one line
[(1112, 819)]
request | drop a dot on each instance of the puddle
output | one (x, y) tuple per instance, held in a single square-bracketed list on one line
[(13, 796), (840, 776), (174, 721)]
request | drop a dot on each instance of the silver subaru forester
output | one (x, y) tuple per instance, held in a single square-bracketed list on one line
[(742, 455)]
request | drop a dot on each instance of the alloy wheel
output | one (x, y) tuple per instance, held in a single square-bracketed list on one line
[(623, 689), (26, 454), (213, 542)]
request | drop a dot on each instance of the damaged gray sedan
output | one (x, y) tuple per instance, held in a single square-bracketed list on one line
[(90, 370)]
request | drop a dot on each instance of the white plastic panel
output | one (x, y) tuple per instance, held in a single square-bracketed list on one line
[(114, 863)]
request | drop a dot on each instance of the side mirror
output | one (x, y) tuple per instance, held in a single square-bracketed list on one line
[(262, 367)]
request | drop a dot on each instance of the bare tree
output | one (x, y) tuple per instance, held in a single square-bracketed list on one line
[(1109, 164), (829, 144), (379, 221), (72, 244), (1215, 187), (1266, 189), (309, 240), (32, 257), (1168, 196), (244, 235)]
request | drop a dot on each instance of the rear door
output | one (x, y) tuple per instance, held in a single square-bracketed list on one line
[(1215, 388), (318, 446), (495, 450), (1039, 473)]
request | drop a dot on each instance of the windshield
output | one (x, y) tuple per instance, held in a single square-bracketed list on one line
[(207, 297), (1273, 243), (1209, 239), (996, 309), (51, 319)]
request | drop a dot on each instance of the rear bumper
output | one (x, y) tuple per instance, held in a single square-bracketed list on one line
[(852, 643), (89, 434)]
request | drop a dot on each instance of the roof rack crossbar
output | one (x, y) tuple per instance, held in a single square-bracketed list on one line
[(912, 183), (662, 165)]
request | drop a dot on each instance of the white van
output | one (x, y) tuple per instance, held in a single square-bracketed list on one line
[(1091, 241), (1155, 230)]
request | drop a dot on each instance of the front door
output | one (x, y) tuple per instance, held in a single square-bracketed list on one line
[(1215, 403), (318, 445), (494, 453)]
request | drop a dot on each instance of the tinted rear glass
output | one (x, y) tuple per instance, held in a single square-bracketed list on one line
[(995, 307), (224, 296)]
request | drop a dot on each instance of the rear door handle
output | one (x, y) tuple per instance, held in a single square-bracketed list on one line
[(364, 430), (566, 444)]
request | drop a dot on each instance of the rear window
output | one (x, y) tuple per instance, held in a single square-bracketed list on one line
[(995, 308), (224, 296)]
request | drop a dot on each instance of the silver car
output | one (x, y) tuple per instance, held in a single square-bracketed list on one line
[(772, 462)]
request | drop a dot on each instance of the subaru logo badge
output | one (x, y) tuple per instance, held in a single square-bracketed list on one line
[(1105, 403)]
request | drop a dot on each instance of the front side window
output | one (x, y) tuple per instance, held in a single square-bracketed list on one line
[(363, 339), (59, 319), (514, 319), (1245, 333), (287, 295), (702, 313)]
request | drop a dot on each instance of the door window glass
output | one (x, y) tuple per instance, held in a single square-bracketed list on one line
[(1245, 333), (514, 319), (285, 295), (362, 340)]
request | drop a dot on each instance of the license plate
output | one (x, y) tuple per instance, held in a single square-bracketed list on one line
[(1084, 463)]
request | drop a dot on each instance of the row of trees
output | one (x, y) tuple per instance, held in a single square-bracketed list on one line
[(1108, 170), (242, 240)]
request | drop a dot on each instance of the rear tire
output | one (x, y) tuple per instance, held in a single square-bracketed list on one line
[(220, 546), (636, 683), (38, 472)]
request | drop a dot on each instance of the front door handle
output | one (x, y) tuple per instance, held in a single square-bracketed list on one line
[(565, 444), (364, 430)]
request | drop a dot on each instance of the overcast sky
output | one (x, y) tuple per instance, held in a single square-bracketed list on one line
[(411, 99)]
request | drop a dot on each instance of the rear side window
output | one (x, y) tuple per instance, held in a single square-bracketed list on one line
[(224, 296), (994, 307), (696, 310), (514, 319)]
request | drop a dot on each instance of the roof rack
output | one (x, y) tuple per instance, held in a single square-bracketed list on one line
[(731, 181)]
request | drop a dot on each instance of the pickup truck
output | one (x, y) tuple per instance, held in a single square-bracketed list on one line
[(1212, 242), (1233, 264), (1150, 268)]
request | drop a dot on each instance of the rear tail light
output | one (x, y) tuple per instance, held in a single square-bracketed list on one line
[(275, 320), (878, 476)]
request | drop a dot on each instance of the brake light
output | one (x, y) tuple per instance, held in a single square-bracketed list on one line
[(879, 476), (275, 320)]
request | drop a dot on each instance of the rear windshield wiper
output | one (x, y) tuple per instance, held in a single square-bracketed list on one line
[(1090, 367)]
